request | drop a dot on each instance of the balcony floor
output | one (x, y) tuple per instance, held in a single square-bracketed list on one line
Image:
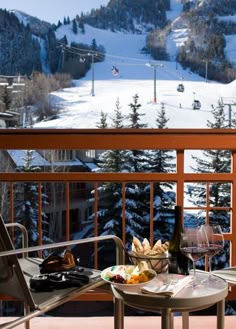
[(131, 322)]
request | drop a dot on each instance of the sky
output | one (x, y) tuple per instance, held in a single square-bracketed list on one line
[(52, 10)]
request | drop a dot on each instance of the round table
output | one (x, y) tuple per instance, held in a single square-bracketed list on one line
[(188, 299)]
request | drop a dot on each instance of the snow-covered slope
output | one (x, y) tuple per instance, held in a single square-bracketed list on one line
[(79, 109)]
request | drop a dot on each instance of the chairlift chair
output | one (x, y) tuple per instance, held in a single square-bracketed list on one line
[(82, 59), (196, 104), (115, 70), (180, 87)]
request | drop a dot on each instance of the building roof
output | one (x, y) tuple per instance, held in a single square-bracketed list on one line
[(18, 156)]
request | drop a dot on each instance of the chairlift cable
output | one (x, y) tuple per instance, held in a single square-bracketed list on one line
[(85, 51), (110, 58)]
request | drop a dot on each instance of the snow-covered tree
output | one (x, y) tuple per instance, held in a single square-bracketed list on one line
[(162, 161), (103, 121), (110, 194), (135, 160), (119, 118), (213, 161), (26, 205), (136, 209), (110, 207)]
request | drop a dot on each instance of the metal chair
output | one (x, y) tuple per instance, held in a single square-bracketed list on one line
[(15, 274)]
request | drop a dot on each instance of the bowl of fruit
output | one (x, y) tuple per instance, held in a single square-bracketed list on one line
[(128, 277)]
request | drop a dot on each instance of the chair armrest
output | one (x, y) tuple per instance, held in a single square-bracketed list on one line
[(24, 235), (118, 243)]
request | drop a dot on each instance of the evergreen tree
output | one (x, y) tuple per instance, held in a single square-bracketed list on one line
[(162, 161), (27, 207), (135, 158), (6, 98), (53, 51), (218, 161), (66, 20), (213, 161), (74, 26), (119, 118), (81, 26), (137, 212), (94, 46), (109, 195), (103, 121), (110, 207), (22, 53)]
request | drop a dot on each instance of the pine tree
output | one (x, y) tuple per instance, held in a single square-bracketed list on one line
[(218, 161), (162, 161), (27, 207), (213, 161), (6, 98), (110, 208), (74, 26), (135, 158), (94, 46), (109, 193), (103, 121), (81, 26), (137, 212), (119, 118)]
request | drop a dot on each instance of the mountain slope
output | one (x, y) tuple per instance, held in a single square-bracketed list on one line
[(199, 31), (129, 15), (79, 109)]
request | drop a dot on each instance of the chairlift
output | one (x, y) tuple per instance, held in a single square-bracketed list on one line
[(82, 59), (180, 88), (115, 70), (196, 104)]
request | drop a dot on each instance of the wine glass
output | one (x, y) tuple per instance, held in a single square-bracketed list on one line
[(216, 244), (194, 245)]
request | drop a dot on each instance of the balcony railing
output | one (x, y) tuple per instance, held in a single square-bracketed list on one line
[(178, 140)]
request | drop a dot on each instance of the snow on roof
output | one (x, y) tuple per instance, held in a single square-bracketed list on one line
[(18, 156), (91, 165), (75, 162)]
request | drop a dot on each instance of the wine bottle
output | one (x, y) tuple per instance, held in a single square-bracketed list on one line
[(178, 263)]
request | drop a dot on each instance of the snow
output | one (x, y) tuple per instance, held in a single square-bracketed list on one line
[(175, 9), (79, 109), (230, 48), (18, 156), (231, 18)]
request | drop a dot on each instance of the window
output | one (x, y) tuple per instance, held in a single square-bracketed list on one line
[(65, 155)]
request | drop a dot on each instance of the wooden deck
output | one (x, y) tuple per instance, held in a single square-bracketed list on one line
[(131, 322)]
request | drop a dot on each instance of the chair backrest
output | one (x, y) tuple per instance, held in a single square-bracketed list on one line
[(12, 280)]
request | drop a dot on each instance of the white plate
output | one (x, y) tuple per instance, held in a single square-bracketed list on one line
[(125, 271)]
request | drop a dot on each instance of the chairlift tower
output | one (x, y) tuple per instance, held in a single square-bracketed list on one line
[(206, 69), (155, 65), (92, 66), (229, 101)]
